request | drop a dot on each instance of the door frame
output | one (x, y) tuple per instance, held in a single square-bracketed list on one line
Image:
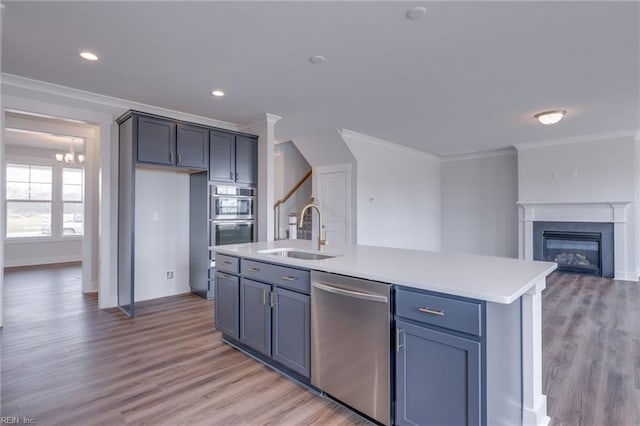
[(102, 177)]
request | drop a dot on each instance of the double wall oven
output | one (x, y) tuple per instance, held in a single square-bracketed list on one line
[(233, 214)]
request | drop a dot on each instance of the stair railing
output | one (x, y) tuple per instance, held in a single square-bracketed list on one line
[(276, 205)]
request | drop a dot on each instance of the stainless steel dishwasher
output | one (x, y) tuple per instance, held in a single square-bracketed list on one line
[(350, 342)]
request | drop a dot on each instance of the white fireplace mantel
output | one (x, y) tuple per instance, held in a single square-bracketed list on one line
[(615, 212)]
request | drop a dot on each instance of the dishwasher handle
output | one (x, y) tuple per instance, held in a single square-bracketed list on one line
[(350, 293)]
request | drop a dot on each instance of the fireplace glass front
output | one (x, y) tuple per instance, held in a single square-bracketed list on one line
[(574, 251)]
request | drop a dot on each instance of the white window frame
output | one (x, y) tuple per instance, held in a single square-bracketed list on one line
[(57, 204)]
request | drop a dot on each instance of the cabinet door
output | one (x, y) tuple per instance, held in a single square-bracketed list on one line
[(227, 304), (246, 160), (437, 378), (255, 315), (222, 157), (192, 145), (156, 141), (291, 341)]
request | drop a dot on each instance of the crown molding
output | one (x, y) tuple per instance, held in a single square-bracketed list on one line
[(478, 155), (577, 139), (23, 83), (381, 142), (267, 119)]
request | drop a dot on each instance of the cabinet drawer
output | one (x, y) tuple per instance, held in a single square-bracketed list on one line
[(282, 276), (227, 263), (458, 315)]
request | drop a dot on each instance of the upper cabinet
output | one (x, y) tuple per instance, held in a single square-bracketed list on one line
[(233, 158), (165, 142), (156, 141), (192, 146)]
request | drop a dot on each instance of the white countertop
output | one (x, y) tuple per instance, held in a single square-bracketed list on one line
[(494, 279)]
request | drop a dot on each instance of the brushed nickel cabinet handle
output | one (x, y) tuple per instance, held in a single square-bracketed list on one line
[(273, 299), (179, 158), (431, 311), (253, 269), (226, 262), (237, 176), (223, 275), (398, 344), (286, 278), (264, 296), (170, 157)]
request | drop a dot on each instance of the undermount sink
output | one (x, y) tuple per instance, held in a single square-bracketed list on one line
[(289, 252)]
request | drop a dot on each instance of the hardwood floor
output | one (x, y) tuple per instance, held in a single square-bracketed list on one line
[(591, 350), (66, 362)]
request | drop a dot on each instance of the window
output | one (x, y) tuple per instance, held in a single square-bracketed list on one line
[(44, 201), (29, 199), (72, 198)]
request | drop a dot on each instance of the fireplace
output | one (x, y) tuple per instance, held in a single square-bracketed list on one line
[(580, 247)]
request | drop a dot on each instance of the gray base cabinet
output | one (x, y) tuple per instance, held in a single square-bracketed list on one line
[(274, 311), (227, 304), (291, 339), (437, 378), (255, 315)]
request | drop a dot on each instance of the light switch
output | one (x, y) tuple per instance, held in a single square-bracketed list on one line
[(155, 217)]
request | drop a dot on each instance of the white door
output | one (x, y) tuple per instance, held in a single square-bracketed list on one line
[(332, 191)]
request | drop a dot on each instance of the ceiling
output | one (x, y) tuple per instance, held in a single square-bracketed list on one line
[(468, 76)]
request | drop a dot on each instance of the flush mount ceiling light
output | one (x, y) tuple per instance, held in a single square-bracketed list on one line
[(89, 56), (218, 93), (550, 117), (317, 59), (416, 13)]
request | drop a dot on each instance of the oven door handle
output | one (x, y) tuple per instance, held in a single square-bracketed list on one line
[(233, 222), (350, 293)]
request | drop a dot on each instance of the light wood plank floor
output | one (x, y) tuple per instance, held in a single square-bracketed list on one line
[(66, 362)]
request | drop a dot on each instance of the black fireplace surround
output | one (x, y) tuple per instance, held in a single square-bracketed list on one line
[(580, 247)]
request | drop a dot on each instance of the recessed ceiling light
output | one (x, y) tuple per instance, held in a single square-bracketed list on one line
[(316, 59), (89, 56), (416, 12), (217, 93), (550, 117)]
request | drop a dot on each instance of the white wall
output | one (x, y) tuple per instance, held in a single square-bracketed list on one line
[(398, 194), (161, 233), (479, 210), (602, 169), (289, 167)]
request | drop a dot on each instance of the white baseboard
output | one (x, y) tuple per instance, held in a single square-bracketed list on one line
[(626, 276), (8, 263)]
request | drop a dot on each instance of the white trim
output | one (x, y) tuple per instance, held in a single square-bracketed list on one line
[(371, 139), (576, 139), (481, 154), (43, 261), (267, 119), (10, 80)]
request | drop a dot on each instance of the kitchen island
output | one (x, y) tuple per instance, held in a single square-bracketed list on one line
[(492, 321)]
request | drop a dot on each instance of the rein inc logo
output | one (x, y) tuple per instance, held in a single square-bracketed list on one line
[(16, 420)]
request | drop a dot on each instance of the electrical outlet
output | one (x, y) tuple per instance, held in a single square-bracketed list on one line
[(170, 275)]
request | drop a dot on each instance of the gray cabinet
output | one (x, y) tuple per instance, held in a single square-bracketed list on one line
[(233, 158), (274, 307), (192, 146), (156, 140), (255, 315), (439, 361), (165, 142), (291, 339), (437, 378), (227, 304)]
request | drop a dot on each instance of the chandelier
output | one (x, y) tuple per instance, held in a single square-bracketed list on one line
[(70, 157)]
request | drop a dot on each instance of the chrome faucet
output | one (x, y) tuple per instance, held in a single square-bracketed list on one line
[(321, 242)]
